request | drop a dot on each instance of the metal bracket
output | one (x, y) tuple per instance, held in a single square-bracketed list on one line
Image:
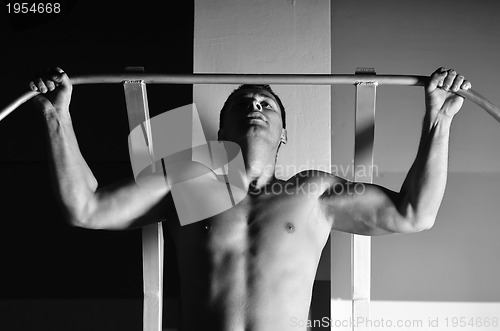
[(152, 235), (363, 157), (366, 72)]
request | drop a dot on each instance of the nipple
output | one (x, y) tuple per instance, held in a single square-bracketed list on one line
[(290, 227)]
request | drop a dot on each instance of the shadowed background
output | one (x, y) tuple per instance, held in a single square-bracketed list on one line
[(55, 277)]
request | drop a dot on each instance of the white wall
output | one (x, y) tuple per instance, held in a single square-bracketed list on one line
[(456, 260), (269, 37)]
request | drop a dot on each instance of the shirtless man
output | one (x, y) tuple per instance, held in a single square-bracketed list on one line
[(252, 267)]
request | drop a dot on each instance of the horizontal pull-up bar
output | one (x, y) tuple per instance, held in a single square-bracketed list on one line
[(279, 79), (284, 79)]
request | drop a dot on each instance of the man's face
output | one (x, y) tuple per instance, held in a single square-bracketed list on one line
[(253, 113)]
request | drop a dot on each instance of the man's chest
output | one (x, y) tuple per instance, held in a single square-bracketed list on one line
[(269, 221)]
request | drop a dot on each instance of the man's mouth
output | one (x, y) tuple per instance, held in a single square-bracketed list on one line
[(257, 115)]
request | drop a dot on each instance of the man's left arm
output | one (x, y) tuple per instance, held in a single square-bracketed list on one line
[(424, 186), (376, 210)]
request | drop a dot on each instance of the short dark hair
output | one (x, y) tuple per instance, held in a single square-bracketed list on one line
[(253, 87)]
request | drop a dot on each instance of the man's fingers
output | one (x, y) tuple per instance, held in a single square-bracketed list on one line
[(437, 79), (449, 79), (33, 86), (457, 83), (40, 85), (466, 85), (50, 84), (50, 80), (63, 79)]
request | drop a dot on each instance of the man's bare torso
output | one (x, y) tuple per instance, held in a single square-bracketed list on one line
[(252, 267)]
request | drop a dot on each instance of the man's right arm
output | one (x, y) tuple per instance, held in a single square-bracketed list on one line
[(120, 206)]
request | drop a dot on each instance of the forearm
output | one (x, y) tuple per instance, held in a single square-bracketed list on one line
[(73, 180), (424, 186)]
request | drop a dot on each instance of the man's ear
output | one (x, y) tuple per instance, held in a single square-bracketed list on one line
[(283, 137)]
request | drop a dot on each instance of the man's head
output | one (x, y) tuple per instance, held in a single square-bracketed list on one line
[(253, 110)]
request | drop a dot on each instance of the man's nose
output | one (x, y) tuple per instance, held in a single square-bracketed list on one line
[(256, 105)]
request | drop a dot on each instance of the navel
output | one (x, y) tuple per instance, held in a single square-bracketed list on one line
[(290, 228)]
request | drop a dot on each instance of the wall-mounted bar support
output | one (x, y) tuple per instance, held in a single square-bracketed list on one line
[(152, 235), (363, 166)]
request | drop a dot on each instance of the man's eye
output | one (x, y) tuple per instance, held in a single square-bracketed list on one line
[(266, 105)]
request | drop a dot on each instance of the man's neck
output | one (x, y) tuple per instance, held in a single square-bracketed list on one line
[(259, 163)]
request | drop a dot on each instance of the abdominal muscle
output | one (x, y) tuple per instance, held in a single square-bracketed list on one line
[(250, 268)]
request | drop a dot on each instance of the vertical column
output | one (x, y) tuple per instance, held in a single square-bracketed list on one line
[(363, 165), (263, 36), (152, 235)]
